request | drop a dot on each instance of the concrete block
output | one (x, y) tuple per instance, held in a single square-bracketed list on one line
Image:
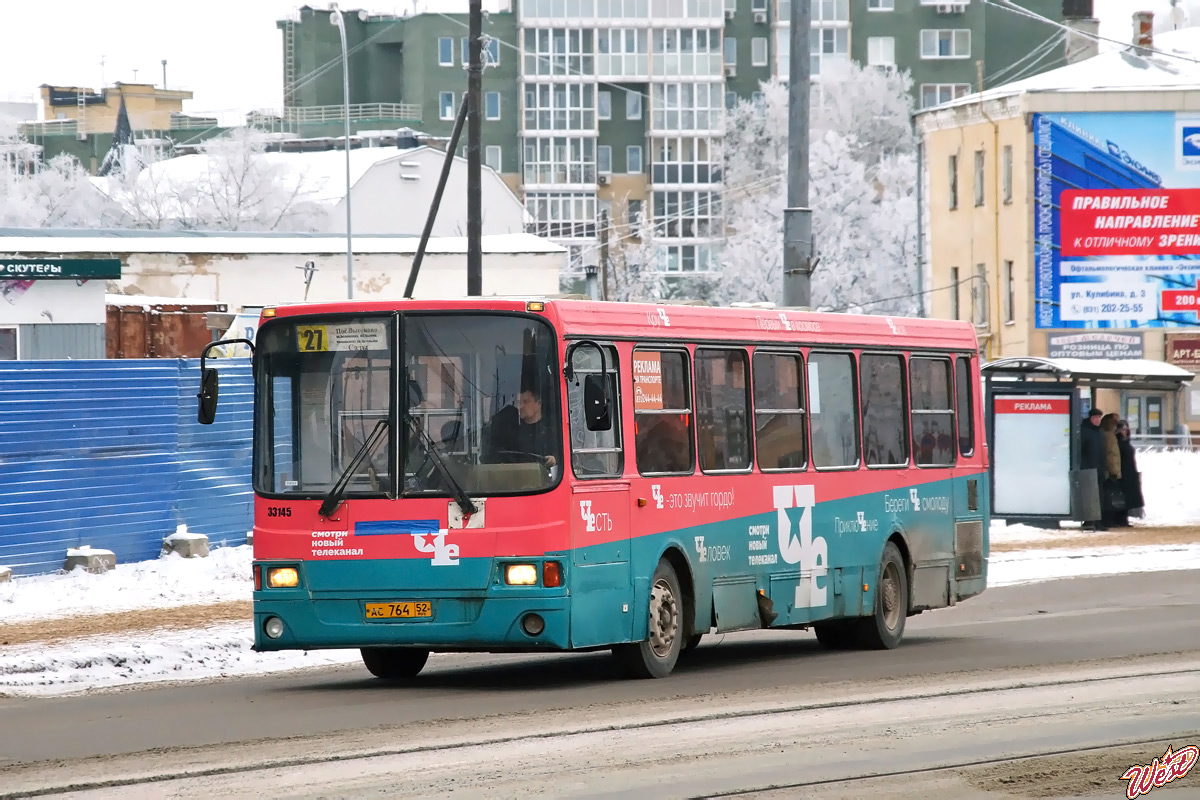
[(249, 537), (5, 574), (188, 545), (90, 559)]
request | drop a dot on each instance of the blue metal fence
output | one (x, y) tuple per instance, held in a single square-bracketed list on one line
[(108, 453)]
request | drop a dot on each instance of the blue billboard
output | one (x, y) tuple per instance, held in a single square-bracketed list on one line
[(1116, 219)]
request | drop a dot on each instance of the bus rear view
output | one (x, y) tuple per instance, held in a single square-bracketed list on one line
[(400, 507)]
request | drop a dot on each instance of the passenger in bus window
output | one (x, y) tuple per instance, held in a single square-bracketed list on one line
[(523, 430), (664, 447)]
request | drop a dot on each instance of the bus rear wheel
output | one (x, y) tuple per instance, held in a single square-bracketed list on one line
[(656, 656), (885, 627), (394, 663)]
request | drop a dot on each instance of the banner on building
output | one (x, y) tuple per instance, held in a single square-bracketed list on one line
[(43, 269), (1184, 351), (1113, 346), (1117, 220)]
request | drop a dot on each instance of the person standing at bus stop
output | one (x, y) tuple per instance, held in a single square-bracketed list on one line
[(1091, 455)]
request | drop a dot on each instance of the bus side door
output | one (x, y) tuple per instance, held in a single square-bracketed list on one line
[(600, 583)]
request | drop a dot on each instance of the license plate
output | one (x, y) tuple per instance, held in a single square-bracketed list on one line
[(415, 609)]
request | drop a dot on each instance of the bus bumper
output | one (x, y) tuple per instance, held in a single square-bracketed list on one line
[(461, 624)]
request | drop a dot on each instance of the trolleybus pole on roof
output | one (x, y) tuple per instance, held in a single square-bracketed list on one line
[(797, 217), (474, 201)]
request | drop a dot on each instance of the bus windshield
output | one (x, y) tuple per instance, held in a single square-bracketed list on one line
[(324, 385), (482, 406)]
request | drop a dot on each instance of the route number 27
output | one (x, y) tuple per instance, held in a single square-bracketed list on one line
[(313, 338)]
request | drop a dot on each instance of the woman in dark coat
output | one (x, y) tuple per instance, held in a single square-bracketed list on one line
[(1131, 479)]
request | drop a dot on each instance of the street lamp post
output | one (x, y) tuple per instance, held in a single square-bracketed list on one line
[(335, 18)]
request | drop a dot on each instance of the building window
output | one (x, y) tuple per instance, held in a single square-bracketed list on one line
[(979, 304), (758, 5), (722, 410), (730, 51), (604, 105), (934, 94), (784, 11), (633, 104), (932, 412), (446, 105), (560, 107), (633, 158), (8, 344), (953, 182), (979, 162), (633, 210), (560, 159), (758, 51), (831, 10), (954, 287), (445, 51), (622, 52), (832, 44), (1006, 173), (687, 214), (562, 215), (1009, 293), (881, 5), (686, 52), (779, 411), (731, 99), (683, 159), (662, 413), (604, 159), (491, 105), (881, 51), (833, 410), (686, 106), (491, 52), (946, 43), (884, 415), (492, 156), (691, 258), (559, 51), (680, 9)]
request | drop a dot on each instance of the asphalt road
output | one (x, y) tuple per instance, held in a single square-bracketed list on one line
[(1038, 625)]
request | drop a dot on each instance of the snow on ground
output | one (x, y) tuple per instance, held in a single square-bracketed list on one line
[(1032, 566)]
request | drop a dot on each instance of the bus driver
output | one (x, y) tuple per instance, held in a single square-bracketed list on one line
[(524, 429)]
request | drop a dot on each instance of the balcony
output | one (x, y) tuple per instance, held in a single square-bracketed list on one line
[(359, 112)]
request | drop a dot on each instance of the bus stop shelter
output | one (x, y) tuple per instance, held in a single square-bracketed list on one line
[(1033, 410)]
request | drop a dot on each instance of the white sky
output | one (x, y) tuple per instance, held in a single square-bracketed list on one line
[(229, 54)]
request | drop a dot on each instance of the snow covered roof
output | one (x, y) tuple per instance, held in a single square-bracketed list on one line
[(40, 241), (146, 300), (1124, 70), (1132, 370)]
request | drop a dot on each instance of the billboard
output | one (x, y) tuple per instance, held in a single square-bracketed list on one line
[(1117, 219)]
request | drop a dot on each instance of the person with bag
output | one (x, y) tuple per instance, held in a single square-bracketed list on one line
[(1112, 494), (1131, 479)]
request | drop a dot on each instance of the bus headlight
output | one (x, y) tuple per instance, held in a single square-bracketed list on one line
[(283, 578), (273, 627), (521, 575)]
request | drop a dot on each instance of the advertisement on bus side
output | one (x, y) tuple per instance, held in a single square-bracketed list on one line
[(1117, 219)]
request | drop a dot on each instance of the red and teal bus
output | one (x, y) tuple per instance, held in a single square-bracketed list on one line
[(494, 475)]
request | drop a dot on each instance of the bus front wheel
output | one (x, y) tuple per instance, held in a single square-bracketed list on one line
[(656, 656), (394, 663)]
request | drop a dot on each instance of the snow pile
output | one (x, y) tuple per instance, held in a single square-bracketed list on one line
[(171, 580), (1169, 481), (100, 662)]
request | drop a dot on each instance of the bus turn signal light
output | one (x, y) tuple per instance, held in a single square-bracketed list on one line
[(520, 575), (552, 574), (283, 577), (535, 305)]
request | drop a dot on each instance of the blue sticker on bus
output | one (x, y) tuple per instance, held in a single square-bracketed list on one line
[(396, 527)]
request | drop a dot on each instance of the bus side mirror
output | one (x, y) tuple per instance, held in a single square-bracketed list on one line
[(595, 403), (207, 396)]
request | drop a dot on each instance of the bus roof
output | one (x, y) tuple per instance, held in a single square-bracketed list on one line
[(665, 321)]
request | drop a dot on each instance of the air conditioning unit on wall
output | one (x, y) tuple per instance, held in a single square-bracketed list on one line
[(730, 71), (760, 17)]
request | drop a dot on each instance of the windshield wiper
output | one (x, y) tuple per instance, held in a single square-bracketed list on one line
[(334, 498), (431, 452)]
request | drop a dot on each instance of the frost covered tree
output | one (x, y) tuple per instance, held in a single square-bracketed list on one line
[(863, 174), (231, 185), (54, 194)]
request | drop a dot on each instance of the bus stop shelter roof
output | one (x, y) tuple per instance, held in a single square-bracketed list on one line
[(1099, 373)]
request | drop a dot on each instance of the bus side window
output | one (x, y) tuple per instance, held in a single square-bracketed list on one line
[(594, 454), (966, 419), (884, 410), (662, 413), (722, 410), (833, 410), (932, 412), (779, 411)]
